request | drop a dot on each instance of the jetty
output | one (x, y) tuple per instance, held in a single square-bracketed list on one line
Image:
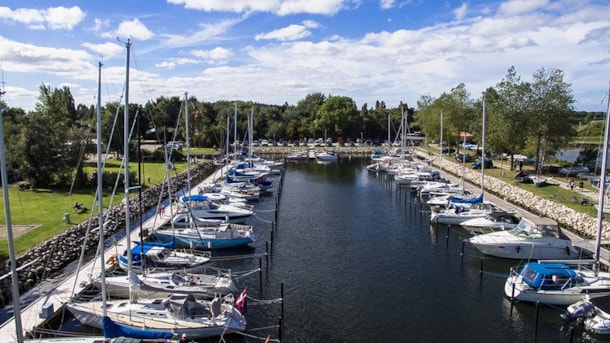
[(51, 305)]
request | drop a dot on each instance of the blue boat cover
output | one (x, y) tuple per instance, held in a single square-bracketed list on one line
[(467, 201), (547, 275), (113, 330), (194, 198)]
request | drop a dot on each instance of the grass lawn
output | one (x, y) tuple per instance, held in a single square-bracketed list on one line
[(45, 208)]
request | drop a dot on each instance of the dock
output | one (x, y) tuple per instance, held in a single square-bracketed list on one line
[(51, 304)]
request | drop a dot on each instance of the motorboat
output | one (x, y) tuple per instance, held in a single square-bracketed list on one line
[(494, 221), (555, 283), (201, 207), (179, 314), (327, 156), (297, 156), (455, 214), (592, 312), (224, 235), (204, 284), (532, 239)]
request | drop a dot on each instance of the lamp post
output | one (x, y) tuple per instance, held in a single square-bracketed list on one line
[(361, 139)]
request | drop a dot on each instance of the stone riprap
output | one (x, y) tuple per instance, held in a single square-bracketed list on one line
[(53, 255), (577, 222)]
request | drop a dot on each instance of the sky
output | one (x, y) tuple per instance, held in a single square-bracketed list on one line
[(280, 51)]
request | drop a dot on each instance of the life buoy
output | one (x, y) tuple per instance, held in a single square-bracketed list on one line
[(113, 259)]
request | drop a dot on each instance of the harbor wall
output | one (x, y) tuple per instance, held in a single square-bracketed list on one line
[(48, 258), (577, 222)]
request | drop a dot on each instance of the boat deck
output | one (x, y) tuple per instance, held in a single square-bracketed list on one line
[(36, 313)]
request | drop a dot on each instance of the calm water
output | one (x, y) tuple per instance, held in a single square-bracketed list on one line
[(361, 263)]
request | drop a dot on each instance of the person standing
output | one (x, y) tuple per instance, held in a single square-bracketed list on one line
[(581, 184)]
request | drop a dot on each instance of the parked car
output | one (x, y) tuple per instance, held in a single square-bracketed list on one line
[(488, 164), (464, 157)]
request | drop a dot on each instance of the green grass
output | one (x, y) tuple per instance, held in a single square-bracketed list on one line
[(45, 208)]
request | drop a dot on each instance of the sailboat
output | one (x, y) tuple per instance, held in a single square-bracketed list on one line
[(558, 283), (456, 212), (159, 317)]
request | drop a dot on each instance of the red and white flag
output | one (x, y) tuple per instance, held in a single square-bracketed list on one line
[(242, 302)]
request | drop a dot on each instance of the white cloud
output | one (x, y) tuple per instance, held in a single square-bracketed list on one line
[(386, 4), (514, 7), (289, 33), (29, 58), (206, 33), (135, 29), (173, 62), (461, 12), (214, 54), (279, 7), (54, 18), (130, 29), (106, 49)]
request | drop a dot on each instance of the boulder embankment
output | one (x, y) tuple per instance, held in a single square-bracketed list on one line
[(577, 222)]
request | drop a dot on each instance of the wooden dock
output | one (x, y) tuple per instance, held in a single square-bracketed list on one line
[(38, 312)]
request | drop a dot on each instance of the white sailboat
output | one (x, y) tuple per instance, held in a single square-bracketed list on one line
[(455, 214), (159, 317)]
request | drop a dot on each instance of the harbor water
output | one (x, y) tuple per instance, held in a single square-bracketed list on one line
[(358, 261)]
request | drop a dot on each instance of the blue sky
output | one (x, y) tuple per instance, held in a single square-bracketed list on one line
[(278, 51)]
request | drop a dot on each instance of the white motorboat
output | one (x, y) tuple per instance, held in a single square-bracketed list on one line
[(297, 156), (494, 221), (592, 312), (202, 207), (532, 239), (455, 214), (438, 187), (555, 283), (327, 156)]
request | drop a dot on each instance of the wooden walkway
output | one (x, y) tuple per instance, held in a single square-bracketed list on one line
[(36, 314)]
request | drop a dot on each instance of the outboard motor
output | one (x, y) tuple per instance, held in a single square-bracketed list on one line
[(580, 310)]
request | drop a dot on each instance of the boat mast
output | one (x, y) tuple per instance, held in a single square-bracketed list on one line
[(440, 162), (483, 151), (126, 157), (9, 231), (188, 154), (602, 189), (100, 189), (235, 131)]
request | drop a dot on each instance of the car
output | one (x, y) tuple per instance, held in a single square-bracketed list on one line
[(488, 164), (463, 158), (264, 142)]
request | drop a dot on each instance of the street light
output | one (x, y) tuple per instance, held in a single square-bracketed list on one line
[(361, 139)]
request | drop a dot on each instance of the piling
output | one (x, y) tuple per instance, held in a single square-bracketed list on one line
[(481, 273), (260, 273), (536, 321)]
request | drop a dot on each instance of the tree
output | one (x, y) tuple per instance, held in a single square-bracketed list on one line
[(337, 114), (49, 145), (551, 104)]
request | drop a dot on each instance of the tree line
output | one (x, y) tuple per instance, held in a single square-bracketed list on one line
[(46, 145)]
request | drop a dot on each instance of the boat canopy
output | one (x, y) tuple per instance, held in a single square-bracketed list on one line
[(466, 201), (547, 275), (114, 330), (194, 198)]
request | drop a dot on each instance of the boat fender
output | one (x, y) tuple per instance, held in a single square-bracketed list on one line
[(518, 248), (113, 259)]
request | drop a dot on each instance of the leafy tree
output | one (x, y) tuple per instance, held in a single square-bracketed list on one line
[(551, 108), (49, 144)]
